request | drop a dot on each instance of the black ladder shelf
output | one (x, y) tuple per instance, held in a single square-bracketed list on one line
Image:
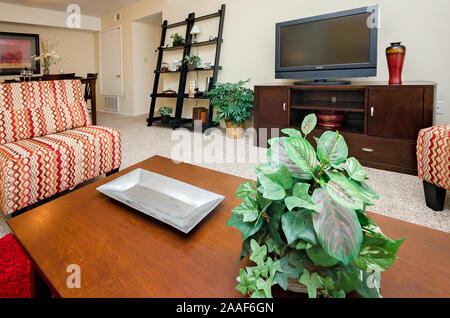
[(177, 121)]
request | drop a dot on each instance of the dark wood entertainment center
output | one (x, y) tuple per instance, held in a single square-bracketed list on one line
[(382, 121)]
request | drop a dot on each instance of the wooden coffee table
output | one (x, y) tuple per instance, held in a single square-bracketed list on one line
[(124, 253)]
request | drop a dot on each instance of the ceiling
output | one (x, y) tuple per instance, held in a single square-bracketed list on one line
[(96, 8)]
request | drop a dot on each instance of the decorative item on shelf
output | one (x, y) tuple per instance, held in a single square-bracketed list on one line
[(195, 32), (165, 67), (207, 65), (200, 115), (212, 37), (395, 55), (192, 89), (234, 104), (48, 56), (178, 40), (174, 66), (192, 61), (303, 222), (198, 93), (165, 113), (169, 92), (330, 118)]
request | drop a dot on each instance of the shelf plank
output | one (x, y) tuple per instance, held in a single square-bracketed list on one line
[(203, 43), (186, 96), (344, 107), (196, 70)]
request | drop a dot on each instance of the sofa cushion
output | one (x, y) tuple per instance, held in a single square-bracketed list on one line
[(35, 169), (433, 155), (34, 109)]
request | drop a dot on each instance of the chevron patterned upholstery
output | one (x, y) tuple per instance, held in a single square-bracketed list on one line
[(433, 155), (47, 143)]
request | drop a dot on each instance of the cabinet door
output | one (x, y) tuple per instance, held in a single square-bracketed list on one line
[(395, 112), (272, 106)]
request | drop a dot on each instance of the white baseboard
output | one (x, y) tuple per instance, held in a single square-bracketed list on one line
[(122, 114)]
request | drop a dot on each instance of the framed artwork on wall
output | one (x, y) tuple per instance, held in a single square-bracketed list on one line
[(17, 51)]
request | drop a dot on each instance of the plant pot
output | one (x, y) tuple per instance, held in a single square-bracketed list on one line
[(191, 67), (234, 131), (165, 119), (395, 55), (175, 44), (330, 119)]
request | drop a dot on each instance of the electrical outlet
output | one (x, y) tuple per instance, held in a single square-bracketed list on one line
[(439, 107)]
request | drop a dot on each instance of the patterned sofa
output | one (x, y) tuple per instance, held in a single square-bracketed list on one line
[(47, 142), (433, 158)]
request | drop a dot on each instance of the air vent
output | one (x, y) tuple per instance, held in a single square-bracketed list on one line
[(112, 104)]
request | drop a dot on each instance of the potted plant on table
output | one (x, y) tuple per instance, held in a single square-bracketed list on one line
[(48, 56), (234, 104), (165, 113), (192, 61), (178, 40), (304, 225)]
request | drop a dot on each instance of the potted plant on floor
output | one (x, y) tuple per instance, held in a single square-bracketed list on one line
[(192, 61), (165, 113), (304, 225), (234, 104), (178, 40)]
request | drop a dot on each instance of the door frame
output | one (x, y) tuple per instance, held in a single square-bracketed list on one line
[(100, 59)]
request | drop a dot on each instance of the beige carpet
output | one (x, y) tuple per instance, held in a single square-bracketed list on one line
[(401, 196)]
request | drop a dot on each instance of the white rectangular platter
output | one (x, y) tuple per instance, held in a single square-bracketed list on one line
[(176, 203)]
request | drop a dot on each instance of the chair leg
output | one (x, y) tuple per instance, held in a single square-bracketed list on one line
[(434, 196), (112, 172)]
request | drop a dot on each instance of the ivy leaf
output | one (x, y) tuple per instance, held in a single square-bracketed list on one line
[(309, 123), (247, 228), (275, 213), (295, 226), (346, 281), (248, 209), (245, 189), (259, 253), (319, 257), (343, 192), (276, 246), (302, 153), (300, 198), (355, 170), (258, 236), (338, 293), (337, 228), (332, 148), (274, 180), (368, 285), (312, 282), (373, 258), (246, 282), (265, 286), (291, 132)]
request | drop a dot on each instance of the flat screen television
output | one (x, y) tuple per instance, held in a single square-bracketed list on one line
[(336, 45)]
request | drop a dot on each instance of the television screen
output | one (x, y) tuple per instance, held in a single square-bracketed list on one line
[(335, 41), (341, 44)]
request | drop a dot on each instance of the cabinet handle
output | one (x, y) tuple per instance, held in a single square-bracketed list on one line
[(372, 110), (284, 106), (367, 150)]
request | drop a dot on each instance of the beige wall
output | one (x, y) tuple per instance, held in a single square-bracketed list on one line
[(78, 49), (248, 49)]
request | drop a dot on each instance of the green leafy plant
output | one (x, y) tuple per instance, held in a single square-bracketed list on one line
[(177, 39), (233, 101), (304, 221), (193, 60), (166, 111)]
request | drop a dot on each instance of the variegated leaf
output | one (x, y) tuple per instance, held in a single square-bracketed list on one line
[(309, 123), (332, 148), (278, 155), (337, 228), (302, 153), (343, 192), (291, 132)]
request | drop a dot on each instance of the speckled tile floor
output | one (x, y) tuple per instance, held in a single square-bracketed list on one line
[(401, 196)]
